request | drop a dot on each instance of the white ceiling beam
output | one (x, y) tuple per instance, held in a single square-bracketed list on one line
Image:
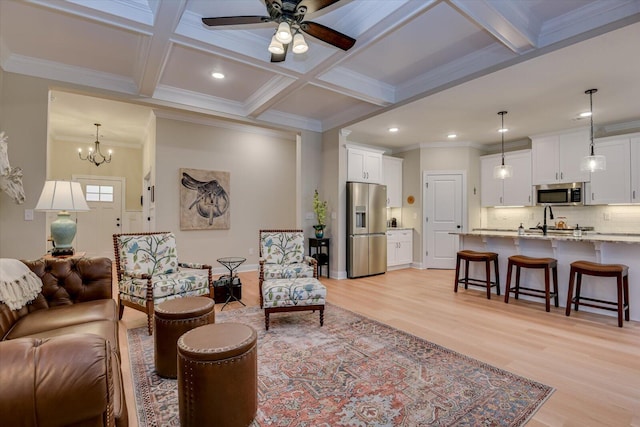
[(153, 59), (267, 95), (509, 22)]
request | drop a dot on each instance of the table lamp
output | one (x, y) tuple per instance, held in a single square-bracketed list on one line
[(62, 197)]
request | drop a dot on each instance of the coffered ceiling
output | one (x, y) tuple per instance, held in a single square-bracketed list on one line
[(429, 67)]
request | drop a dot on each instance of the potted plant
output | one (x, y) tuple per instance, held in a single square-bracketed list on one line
[(320, 209)]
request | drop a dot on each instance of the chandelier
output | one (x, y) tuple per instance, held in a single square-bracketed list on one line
[(95, 156)]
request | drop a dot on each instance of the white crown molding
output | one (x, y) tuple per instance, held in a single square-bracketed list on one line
[(351, 83), (291, 120), (499, 20), (478, 61), (199, 100), (376, 149), (456, 144), (262, 98), (70, 74), (224, 124), (620, 127), (590, 16)]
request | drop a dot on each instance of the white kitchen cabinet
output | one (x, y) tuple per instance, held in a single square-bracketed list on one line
[(556, 158), (612, 185), (635, 169), (514, 191), (399, 247), (364, 165), (392, 178)]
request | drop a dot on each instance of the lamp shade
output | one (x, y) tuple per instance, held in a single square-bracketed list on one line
[(299, 44), (62, 196), (284, 33)]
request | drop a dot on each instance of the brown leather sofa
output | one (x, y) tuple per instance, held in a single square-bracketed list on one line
[(59, 354)]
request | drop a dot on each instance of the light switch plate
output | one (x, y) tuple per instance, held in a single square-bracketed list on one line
[(28, 214)]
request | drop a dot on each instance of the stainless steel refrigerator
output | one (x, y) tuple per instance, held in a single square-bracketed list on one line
[(366, 229)]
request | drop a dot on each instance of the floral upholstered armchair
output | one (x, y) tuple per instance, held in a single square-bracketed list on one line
[(149, 272), (282, 257)]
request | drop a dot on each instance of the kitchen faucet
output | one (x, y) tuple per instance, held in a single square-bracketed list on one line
[(544, 225)]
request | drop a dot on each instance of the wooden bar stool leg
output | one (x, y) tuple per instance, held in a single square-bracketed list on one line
[(547, 296), (497, 273), (487, 269), (455, 287), (466, 274), (507, 289), (620, 299), (578, 286), (570, 293), (517, 293), (555, 285), (625, 283)]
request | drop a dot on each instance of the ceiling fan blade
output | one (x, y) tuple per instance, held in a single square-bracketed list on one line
[(328, 35), (235, 20), (314, 5), (279, 57)]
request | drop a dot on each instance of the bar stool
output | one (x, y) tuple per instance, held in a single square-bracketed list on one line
[(619, 271), (474, 256), (521, 261)]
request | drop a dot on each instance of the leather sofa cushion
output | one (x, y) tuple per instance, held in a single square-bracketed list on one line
[(47, 390), (63, 317)]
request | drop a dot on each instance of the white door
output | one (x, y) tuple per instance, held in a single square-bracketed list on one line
[(96, 228), (443, 204)]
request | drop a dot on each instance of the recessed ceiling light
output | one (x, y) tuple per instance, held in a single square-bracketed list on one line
[(503, 130), (452, 135), (217, 75), (394, 129), (585, 114)]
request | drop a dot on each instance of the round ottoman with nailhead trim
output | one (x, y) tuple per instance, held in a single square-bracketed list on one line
[(218, 376), (173, 318)]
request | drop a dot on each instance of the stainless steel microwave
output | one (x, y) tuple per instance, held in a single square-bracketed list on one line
[(571, 194)]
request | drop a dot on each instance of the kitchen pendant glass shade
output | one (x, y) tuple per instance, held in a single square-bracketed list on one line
[(592, 162), (284, 33), (62, 197), (275, 46), (299, 44), (502, 171)]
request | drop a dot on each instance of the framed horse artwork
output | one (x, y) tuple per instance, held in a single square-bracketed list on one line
[(204, 200)]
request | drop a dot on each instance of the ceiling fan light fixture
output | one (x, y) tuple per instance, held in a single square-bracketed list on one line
[(275, 46), (592, 162), (284, 33), (299, 44)]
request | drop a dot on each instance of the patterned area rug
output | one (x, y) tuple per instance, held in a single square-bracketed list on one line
[(353, 371)]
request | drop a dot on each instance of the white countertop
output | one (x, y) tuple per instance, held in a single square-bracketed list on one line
[(586, 236), (399, 228)]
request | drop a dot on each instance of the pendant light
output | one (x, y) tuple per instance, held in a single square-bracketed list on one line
[(502, 171), (592, 162)]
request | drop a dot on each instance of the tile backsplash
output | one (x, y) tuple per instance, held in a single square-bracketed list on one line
[(604, 219)]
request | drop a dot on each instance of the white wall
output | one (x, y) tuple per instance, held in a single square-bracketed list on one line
[(262, 186)]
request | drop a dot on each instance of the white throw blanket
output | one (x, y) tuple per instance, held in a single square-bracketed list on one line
[(18, 284)]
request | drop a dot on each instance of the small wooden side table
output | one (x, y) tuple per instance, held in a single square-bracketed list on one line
[(321, 256), (76, 254)]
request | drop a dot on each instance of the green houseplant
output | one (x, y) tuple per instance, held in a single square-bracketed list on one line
[(320, 209)]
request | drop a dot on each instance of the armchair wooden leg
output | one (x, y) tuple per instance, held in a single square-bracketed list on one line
[(120, 309)]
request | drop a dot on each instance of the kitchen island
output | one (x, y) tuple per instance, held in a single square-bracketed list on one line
[(596, 247)]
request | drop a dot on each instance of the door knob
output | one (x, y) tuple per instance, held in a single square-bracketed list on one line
[(458, 226)]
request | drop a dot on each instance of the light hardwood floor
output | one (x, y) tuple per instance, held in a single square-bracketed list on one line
[(593, 365)]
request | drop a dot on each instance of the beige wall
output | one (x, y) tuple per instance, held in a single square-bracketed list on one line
[(126, 162), (262, 186), (23, 117)]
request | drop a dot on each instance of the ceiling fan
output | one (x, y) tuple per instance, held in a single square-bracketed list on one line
[(290, 15)]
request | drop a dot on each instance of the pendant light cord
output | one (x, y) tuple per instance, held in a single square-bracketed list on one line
[(591, 92), (502, 113)]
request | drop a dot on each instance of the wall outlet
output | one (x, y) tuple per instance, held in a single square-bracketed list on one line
[(250, 251), (334, 215), (309, 215), (606, 216)]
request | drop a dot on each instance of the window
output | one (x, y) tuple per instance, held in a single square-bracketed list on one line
[(99, 193)]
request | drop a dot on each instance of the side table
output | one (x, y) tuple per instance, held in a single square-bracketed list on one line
[(232, 264), (321, 252)]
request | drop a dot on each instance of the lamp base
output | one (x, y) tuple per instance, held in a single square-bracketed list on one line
[(63, 230), (62, 252)]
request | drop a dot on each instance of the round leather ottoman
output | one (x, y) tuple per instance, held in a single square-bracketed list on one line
[(218, 376), (173, 318)]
